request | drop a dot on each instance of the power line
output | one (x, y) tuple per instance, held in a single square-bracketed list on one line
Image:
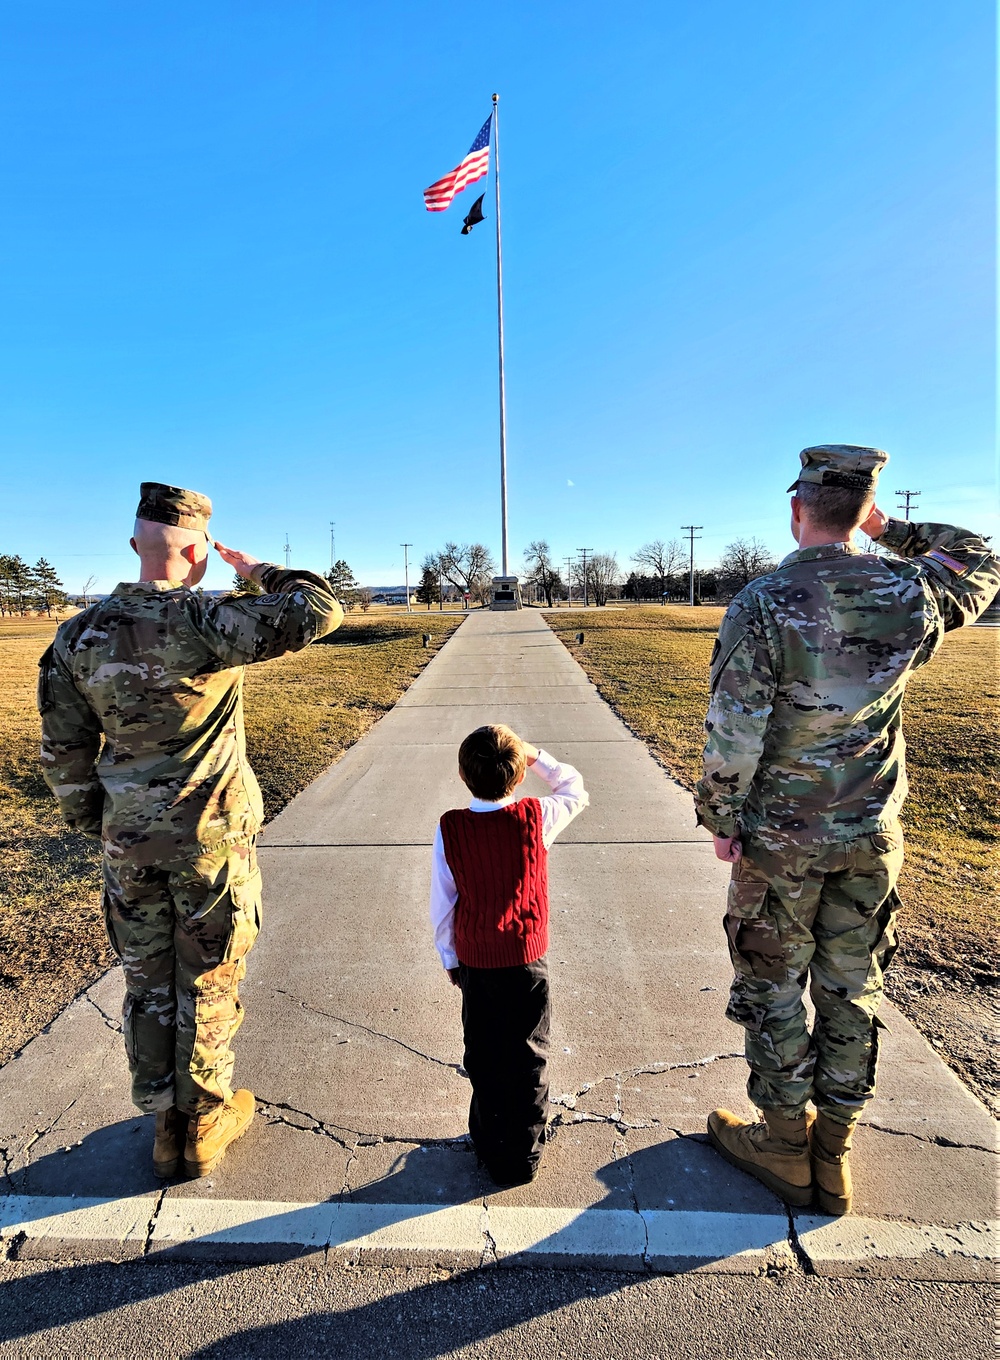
[(689, 529)]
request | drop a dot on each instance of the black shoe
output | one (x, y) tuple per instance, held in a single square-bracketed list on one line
[(506, 1178)]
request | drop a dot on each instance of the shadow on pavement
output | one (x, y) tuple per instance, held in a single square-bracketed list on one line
[(679, 1172)]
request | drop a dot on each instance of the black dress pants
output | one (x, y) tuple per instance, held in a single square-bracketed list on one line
[(505, 1018)]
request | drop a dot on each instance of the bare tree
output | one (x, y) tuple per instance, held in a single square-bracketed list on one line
[(661, 560), (742, 561), (88, 586), (603, 575), (540, 571), (469, 567), (365, 599)]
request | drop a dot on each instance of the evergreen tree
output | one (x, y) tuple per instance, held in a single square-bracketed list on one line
[(48, 590), (429, 589), (242, 585), (16, 582), (341, 578)]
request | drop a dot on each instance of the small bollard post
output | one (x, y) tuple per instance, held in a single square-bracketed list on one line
[(426, 637), (579, 638)]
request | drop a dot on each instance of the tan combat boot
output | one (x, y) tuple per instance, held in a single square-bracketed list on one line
[(168, 1140), (830, 1143), (776, 1152), (209, 1135)]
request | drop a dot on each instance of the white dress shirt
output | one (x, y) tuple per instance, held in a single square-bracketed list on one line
[(568, 797)]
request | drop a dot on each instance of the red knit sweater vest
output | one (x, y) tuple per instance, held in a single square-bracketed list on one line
[(501, 870)]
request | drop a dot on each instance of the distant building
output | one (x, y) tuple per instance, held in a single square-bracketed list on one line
[(389, 594)]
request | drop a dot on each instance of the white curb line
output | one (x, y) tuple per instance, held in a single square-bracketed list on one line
[(472, 1234)]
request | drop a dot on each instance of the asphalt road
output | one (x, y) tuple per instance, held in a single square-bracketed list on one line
[(156, 1308)]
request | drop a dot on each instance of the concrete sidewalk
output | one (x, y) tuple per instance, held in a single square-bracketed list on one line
[(353, 1045)]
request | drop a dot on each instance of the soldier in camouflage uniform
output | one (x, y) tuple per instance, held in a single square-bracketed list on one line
[(143, 747), (802, 787)]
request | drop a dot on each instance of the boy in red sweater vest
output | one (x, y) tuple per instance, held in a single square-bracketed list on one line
[(490, 913)]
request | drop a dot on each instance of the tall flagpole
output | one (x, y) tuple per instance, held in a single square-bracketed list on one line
[(503, 404)]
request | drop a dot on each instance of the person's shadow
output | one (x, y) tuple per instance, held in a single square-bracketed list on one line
[(680, 1173)]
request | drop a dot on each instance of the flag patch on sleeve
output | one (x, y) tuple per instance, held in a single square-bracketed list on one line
[(959, 568)]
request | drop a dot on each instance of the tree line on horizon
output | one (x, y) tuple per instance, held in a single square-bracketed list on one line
[(26, 589), (660, 572)]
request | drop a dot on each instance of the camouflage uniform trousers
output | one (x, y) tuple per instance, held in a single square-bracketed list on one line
[(825, 914), (183, 931)]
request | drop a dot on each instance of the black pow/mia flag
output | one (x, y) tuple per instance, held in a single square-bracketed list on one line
[(475, 215)]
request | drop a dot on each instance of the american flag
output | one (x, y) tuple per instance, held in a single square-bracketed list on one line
[(475, 165)]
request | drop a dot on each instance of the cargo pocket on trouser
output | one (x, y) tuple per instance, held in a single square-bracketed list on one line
[(218, 1013), (107, 910), (757, 953), (766, 1000)]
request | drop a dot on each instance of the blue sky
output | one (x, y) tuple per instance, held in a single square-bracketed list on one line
[(730, 230)]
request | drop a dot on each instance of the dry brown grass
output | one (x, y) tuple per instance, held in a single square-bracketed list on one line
[(652, 667), (302, 713)]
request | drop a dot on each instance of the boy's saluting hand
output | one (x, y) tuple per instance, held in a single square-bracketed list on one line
[(530, 752)]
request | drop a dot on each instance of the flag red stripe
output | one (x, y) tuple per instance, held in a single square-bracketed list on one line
[(438, 196)]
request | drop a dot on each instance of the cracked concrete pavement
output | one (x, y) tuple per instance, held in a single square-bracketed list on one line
[(352, 1041)]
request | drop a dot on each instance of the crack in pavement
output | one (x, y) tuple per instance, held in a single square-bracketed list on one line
[(362, 1138), (6, 1158), (151, 1225), (489, 1256), (375, 1033), (569, 1098), (112, 1024), (269, 1108), (38, 1135), (345, 1189), (935, 1140), (802, 1257)]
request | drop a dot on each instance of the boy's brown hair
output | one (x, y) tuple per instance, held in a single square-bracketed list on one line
[(492, 762)]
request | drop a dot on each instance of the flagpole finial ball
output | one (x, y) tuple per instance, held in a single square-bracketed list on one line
[(496, 97)]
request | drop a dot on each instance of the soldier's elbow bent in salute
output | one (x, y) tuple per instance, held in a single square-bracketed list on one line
[(143, 745)]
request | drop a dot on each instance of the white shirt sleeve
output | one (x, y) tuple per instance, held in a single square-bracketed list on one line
[(444, 895), (568, 797)]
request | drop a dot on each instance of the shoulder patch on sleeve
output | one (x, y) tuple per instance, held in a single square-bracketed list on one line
[(735, 625)]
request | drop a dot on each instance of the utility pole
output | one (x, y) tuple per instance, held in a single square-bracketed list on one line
[(440, 587), (333, 543), (288, 554), (689, 529), (585, 551), (406, 572), (908, 496), (569, 582)]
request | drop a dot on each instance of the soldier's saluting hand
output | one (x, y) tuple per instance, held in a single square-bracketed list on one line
[(803, 782), (143, 746)]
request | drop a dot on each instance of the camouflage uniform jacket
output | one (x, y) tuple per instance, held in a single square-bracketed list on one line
[(158, 670), (804, 734)]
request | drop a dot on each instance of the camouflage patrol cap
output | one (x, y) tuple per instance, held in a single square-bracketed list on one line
[(845, 465), (173, 505)]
